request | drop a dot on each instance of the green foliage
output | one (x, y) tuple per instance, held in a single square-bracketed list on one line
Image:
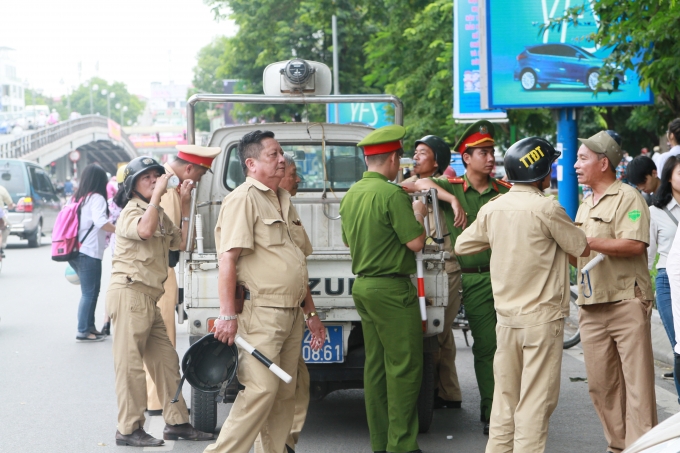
[(206, 80), (80, 100)]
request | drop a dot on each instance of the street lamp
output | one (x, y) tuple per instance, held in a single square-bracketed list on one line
[(95, 87), (110, 96)]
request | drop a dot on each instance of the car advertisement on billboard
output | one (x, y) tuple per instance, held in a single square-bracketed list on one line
[(466, 76), (524, 66)]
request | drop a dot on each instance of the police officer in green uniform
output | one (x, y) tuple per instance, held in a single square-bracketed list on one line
[(473, 191), (379, 226)]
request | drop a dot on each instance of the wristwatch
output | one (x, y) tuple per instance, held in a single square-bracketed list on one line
[(185, 219), (310, 315), (227, 318)]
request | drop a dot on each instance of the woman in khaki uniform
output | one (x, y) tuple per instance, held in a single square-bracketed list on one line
[(144, 235)]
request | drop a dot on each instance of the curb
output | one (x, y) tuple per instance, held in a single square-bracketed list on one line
[(660, 343)]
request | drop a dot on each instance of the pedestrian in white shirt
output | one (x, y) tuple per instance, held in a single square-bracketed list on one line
[(94, 225), (673, 136), (664, 216)]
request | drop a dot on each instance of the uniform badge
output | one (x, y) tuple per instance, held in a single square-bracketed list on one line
[(634, 216), (147, 161), (483, 130)]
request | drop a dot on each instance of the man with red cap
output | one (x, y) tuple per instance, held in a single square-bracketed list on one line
[(192, 163), (474, 190), (383, 234)]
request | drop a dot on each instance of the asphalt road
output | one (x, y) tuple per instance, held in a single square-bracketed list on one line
[(58, 396)]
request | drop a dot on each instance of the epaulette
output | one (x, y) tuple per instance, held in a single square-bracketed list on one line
[(505, 184), (456, 180), (497, 196)]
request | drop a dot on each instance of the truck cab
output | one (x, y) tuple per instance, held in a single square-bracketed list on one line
[(328, 162)]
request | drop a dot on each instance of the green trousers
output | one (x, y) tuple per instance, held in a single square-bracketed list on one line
[(393, 339), (478, 300)]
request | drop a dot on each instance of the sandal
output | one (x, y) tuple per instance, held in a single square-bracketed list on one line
[(89, 339)]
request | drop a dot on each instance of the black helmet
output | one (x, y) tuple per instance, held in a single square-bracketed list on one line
[(136, 167), (442, 152), (530, 160), (208, 364)]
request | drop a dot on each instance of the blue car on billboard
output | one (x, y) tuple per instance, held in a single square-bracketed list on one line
[(540, 65)]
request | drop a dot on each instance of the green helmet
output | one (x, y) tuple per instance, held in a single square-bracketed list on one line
[(530, 160), (442, 152), (135, 168)]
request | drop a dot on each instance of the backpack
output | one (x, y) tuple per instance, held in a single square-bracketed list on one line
[(65, 243)]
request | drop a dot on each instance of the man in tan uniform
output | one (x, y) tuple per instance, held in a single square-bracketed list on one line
[(259, 230), (616, 299), (5, 200), (290, 182), (144, 235), (431, 157), (531, 237), (192, 163)]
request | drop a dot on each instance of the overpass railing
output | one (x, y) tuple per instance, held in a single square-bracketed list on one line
[(27, 143)]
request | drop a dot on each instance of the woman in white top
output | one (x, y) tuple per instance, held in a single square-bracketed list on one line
[(94, 225), (673, 136), (664, 215)]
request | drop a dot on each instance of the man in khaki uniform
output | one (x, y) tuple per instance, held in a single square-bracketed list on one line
[(6, 200), (192, 163), (144, 235), (290, 183), (616, 300), (531, 237), (431, 157), (259, 230)]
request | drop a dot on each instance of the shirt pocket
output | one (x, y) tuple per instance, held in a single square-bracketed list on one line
[(601, 226), (273, 232), (297, 232)]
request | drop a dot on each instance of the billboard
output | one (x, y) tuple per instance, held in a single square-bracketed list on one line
[(523, 67), (374, 114), (466, 73)]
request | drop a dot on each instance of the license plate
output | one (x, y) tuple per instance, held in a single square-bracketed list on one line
[(332, 350)]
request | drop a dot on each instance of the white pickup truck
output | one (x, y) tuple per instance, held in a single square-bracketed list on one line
[(329, 162)]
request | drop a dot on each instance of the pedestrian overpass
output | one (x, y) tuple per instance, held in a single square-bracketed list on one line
[(96, 138)]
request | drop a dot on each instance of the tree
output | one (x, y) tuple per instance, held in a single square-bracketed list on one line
[(80, 99), (206, 79)]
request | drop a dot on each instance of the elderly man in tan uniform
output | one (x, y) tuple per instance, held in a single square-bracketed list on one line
[(192, 163), (144, 235), (290, 182), (616, 299), (430, 159), (263, 245), (531, 237)]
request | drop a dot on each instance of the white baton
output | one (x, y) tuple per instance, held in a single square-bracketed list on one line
[(274, 368), (594, 262)]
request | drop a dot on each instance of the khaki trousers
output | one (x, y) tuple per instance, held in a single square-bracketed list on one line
[(301, 405), (617, 349), (167, 304), (275, 332), (526, 370), (140, 338), (446, 378)]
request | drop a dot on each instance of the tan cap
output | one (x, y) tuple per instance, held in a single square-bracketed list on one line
[(200, 155), (603, 143)]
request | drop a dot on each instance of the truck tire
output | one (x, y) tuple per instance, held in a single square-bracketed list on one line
[(203, 411), (426, 395)]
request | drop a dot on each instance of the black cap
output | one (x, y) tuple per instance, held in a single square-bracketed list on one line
[(530, 160)]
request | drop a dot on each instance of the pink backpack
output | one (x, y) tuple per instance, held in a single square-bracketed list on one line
[(65, 243)]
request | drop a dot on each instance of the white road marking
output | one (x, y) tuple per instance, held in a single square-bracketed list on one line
[(667, 400), (155, 427)]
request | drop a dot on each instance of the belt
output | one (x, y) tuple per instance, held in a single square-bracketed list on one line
[(475, 270), (386, 276)]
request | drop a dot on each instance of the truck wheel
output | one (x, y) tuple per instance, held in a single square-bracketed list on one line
[(203, 411), (426, 396)]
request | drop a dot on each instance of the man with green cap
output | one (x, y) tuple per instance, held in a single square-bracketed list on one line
[(474, 190), (382, 232), (430, 159)]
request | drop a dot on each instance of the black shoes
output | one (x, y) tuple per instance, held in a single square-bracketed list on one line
[(289, 450), (486, 428), (668, 375), (441, 403), (106, 329), (185, 431), (138, 438)]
